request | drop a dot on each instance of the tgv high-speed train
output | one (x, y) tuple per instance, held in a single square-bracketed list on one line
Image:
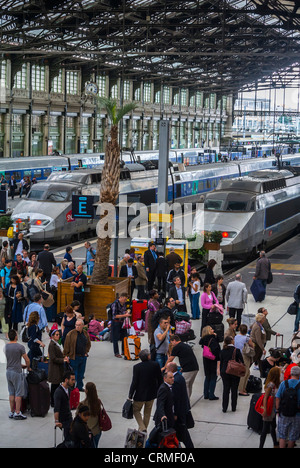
[(49, 203), (253, 212)]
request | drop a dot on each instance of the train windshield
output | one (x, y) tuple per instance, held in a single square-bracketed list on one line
[(235, 205), (50, 193), (59, 195), (212, 205), (36, 194)]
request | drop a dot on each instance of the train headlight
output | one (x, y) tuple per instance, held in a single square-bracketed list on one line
[(40, 222), (229, 234)]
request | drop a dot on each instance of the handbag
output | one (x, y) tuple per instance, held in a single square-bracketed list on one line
[(127, 411), (238, 369), (104, 420), (248, 350), (259, 406), (47, 299), (292, 308), (207, 352)]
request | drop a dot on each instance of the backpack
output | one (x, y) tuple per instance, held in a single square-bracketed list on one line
[(109, 312), (32, 290), (289, 400)]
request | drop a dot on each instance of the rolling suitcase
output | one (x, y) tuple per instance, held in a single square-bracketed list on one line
[(254, 419), (214, 318), (137, 307), (258, 290), (132, 347), (39, 398)]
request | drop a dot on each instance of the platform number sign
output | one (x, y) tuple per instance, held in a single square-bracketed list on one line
[(83, 206)]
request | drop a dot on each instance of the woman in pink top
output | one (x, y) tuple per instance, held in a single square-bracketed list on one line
[(208, 299)]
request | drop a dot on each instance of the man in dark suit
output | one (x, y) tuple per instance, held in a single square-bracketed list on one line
[(181, 405), (150, 258), (165, 402), (62, 413), (129, 271), (146, 380), (178, 292), (46, 263)]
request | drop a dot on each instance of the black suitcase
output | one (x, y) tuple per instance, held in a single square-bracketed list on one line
[(254, 419), (219, 330), (214, 318), (39, 398)]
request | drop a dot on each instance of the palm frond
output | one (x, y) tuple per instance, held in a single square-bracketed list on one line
[(126, 109), (114, 113), (110, 106)]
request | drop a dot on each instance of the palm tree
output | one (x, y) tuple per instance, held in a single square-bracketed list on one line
[(109, 189)]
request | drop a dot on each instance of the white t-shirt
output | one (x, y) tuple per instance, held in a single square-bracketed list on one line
[(19, 249), (198, 290)]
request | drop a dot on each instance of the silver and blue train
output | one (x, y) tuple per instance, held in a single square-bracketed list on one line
[(40, 167), (253, 212), (48, 205)]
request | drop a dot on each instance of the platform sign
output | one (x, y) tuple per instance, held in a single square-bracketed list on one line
[(83, 206), (3, 201)]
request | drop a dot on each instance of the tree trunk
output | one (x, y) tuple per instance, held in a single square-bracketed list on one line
[(109, 192)]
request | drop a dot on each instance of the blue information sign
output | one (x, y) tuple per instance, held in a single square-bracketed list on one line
[(83, 206)]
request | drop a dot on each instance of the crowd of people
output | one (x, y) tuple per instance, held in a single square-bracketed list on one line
[(29, 280)]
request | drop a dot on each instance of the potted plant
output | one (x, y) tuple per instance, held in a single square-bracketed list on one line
[(101, 289), (212, 240)]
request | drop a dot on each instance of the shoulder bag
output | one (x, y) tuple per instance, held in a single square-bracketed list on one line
[(259, 406), (154, 349), (104, 420), (238, 369), (207, 352)]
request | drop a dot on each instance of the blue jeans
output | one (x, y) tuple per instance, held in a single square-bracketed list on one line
[(79, 364), (161, 359), (195, 305), (96, 439)]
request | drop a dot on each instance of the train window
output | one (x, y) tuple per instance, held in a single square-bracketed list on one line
[(47, 172), (17, 175), (59, 195), (27, 173), (37, 173), (213, 204), (236, 206), (200, 186)]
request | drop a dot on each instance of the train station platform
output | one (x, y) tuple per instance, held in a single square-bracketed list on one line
[(213, 429)]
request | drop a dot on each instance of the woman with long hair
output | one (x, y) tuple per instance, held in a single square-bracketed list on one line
[(211, 366), (269, 420), (94, 404), (35, 337), (230, 382)]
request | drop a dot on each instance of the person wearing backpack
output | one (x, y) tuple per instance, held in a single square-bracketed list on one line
[(288, 408)]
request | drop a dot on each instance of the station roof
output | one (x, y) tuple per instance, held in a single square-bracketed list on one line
[(213, 45)]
